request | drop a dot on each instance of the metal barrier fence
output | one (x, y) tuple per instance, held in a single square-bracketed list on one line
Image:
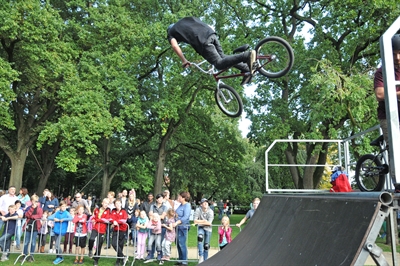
[(48, 240), (35, 241)]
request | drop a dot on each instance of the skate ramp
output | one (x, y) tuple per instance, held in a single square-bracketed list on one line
[(327, 229)]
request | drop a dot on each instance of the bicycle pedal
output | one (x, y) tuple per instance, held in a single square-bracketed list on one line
[(255, 66)]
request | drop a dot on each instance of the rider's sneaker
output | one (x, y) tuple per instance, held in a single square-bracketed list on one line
[(251, 60)]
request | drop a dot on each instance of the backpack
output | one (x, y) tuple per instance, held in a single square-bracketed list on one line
[(340, 182)]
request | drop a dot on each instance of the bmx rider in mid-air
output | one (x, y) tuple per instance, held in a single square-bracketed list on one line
[(204, 41)]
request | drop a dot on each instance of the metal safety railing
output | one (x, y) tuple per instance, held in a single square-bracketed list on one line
[(343, 155), (35, 241), (46, 239), (267, 164)]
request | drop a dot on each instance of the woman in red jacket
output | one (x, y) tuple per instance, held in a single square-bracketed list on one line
[(33, 216), (101, 218), (118, 219)]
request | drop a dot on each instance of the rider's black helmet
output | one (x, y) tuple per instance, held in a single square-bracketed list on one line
[(396, 42)]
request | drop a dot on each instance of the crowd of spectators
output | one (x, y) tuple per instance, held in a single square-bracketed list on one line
[(86, 223)]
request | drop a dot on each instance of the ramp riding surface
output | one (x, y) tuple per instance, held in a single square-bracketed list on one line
[(304, 230)]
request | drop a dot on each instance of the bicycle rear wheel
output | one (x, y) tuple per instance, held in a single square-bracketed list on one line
[(228, 100), (370, 173), (274, 57)]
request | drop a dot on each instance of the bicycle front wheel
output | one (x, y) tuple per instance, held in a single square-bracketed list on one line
[(228, 100), (274, 57), (370, 173)]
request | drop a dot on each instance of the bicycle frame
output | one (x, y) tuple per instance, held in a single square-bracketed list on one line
[(215, 73), (227, 99), (382, 154)]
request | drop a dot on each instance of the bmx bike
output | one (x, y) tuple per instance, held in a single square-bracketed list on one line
[(371, 169), (274, 59)]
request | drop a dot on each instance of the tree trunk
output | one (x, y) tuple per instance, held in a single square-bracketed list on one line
[(293, 169), (162, 154), (48, 156), (308, 177), (17, 168), (4, 169), (42, 183), (159, 174), (106, 182)]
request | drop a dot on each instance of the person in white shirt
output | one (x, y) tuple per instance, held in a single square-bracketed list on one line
[(5, 201)]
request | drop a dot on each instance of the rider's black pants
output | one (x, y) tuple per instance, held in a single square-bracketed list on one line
[(212, 52)]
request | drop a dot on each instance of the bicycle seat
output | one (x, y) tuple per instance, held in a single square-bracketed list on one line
[(241, 49), (377, 142)]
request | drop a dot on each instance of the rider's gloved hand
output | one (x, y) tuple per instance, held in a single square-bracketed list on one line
[(186, 64)]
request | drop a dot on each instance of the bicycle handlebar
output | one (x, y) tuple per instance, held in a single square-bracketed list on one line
[(198, 66)]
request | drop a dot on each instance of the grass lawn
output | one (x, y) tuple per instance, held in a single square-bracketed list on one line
[(381, 242), (46, 260), (235, 218)]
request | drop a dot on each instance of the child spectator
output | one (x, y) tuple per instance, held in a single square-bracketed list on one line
[(132, 225), (80, 220), (169, 234), (50, 225), (142, 233), (69, 236), (44, 230), (20, 221), (61, 219), (33, 214), (10, 223), (224, 232), (52, 248), (155, 226), (120, 227), (100, 220)]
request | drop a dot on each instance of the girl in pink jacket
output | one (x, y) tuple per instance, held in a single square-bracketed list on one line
[(224, 232)]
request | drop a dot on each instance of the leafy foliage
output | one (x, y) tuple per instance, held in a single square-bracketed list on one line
[(96, 86)]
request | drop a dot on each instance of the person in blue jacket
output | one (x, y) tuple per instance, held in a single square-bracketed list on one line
[(182, 222), (61, 219)]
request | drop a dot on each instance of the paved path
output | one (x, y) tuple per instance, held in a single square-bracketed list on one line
[(388, 257)]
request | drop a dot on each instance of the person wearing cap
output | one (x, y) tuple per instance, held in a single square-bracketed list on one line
[(203, 218), (159, 208), (380, 93)]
